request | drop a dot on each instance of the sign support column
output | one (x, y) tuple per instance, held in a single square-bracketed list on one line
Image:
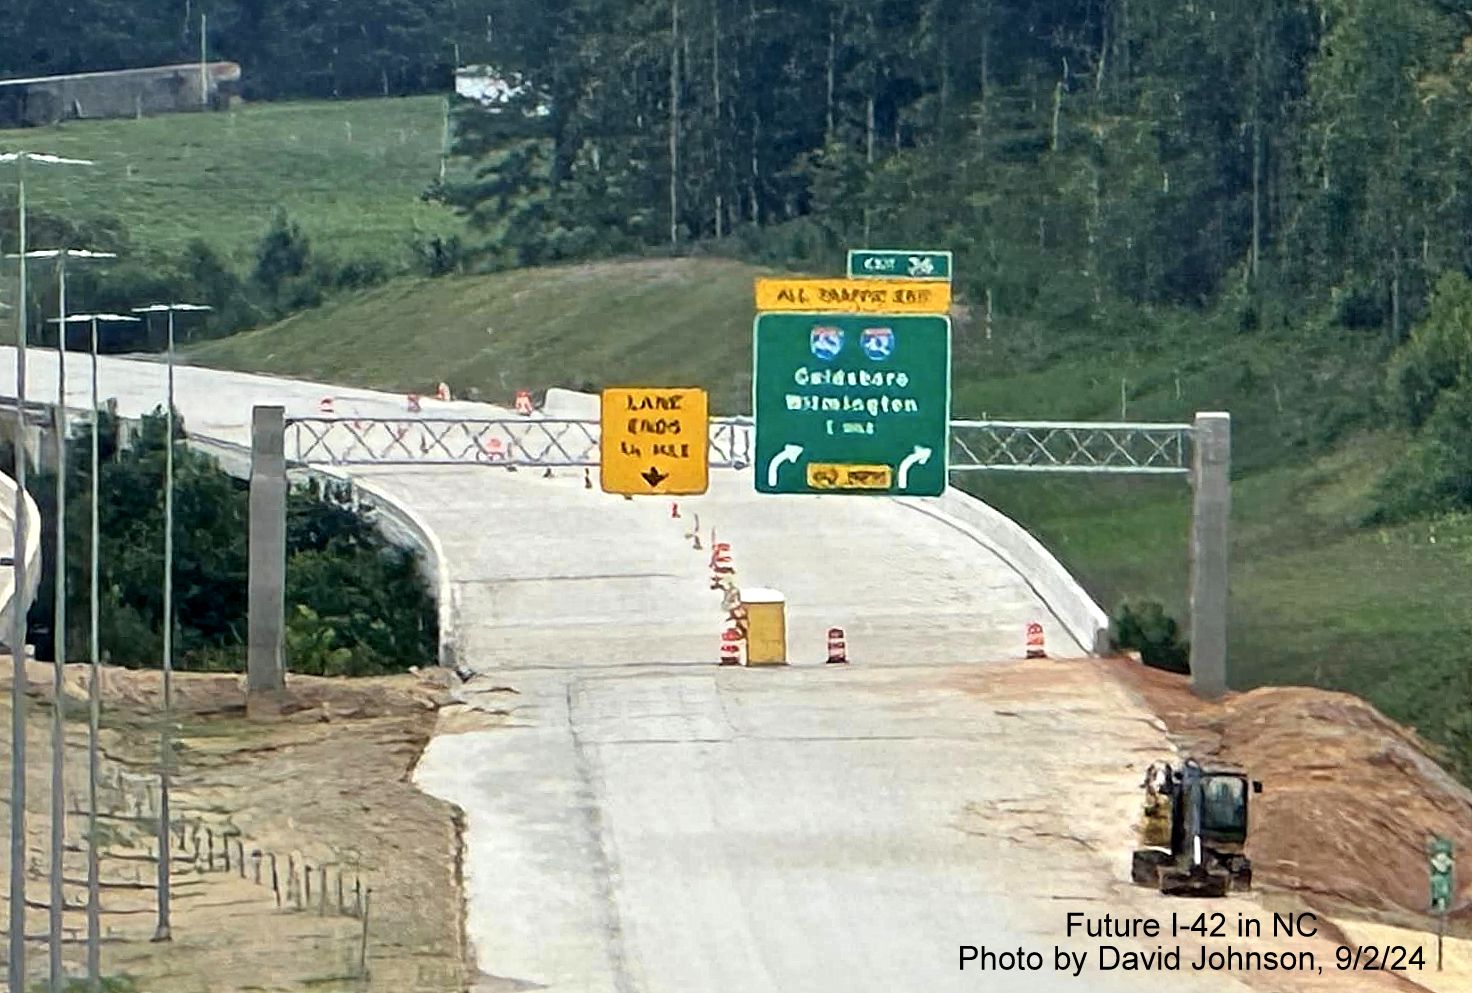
[(1210, 515), (265, 671)]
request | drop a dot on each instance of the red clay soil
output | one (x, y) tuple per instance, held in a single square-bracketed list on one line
[(1350, 798)]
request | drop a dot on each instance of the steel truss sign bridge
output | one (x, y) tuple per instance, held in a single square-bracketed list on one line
[(1017, 446)]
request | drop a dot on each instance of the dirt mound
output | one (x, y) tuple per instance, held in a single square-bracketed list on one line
[(1350, 798), (329, 786), (307, 698)]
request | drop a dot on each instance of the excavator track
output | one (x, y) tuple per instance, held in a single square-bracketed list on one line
[(1198, 882)]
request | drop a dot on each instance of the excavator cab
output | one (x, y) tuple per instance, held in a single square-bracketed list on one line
[(1224, 808), (1208, 814)]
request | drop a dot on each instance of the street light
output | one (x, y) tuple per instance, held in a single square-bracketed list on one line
[(163, 932), (94, 694), (17, 961), (58, 652)]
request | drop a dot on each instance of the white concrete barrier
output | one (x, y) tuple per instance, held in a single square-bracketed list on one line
[(396, 522), (571, 404), (405, 528), (32, 554), (1084, 619)]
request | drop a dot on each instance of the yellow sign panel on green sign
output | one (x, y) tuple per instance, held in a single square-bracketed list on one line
[(852, 296)]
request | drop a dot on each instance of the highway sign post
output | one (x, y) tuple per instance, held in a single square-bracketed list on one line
[(654, 441), (875, 263), (851, 403)]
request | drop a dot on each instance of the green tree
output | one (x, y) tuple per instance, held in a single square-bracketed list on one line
[(282, 254), (352, 584)]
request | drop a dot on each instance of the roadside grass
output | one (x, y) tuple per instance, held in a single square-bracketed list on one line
[(1317, 598), (681, 322), (350, 172)]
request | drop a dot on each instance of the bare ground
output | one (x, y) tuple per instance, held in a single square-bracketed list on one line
[(1097, 768), (1350, 797), (326, 786)]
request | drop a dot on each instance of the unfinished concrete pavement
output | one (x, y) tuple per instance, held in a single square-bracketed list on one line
[(814, 828)]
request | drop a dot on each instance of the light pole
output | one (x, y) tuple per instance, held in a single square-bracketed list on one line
[(163, 932), (94, 694), (17, 961), (58, 653)]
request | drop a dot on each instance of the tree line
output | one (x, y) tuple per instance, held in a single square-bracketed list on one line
[(1286, 153), (356, 605)]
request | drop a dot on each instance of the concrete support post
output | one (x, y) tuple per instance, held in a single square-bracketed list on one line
[(265, 670), (1211, 506)]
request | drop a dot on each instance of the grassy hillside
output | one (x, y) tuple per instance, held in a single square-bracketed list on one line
[(1316, 598), (685, 322), (350, 172)]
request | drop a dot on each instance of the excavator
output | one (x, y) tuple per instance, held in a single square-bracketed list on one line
[(1195, 828)]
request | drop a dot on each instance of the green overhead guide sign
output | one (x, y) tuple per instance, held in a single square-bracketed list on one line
[(849, 403)]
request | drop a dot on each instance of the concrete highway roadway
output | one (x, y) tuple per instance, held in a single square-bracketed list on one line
[(644, 821)]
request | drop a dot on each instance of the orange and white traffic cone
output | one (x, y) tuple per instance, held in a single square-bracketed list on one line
[(1035, 648), (730, 645), (837, 647)]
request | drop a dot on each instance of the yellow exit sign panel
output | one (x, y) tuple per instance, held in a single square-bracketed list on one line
[(852, 296), (833, 476), (655, 441)]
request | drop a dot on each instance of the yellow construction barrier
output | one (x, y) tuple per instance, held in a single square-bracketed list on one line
[(766, 633)]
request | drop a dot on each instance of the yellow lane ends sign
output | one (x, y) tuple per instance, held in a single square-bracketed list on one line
[(655, 441), (852, 296)]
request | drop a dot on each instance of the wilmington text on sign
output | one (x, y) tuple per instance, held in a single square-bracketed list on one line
[(654, 441)]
